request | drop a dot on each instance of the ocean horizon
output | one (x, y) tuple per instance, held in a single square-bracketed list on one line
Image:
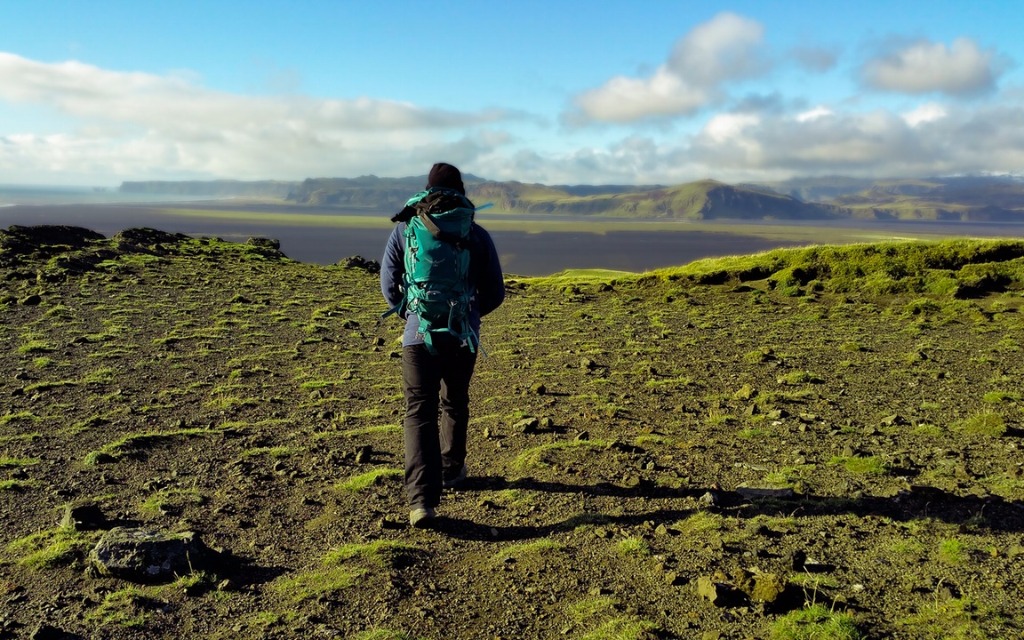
[(28, 195)]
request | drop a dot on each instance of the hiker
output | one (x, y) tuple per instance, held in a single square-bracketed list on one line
[(439, 349)]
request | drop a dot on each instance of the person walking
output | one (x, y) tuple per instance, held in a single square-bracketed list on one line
[(438, 356)]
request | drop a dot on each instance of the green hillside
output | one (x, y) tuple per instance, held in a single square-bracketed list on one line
[(356, 193), (805, 443), (703, 200)]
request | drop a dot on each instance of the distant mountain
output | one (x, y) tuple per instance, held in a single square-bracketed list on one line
[(602, 189), (703, 200), (365, 192), (710, 200), (976, 199), (390, 193), (980, 198)]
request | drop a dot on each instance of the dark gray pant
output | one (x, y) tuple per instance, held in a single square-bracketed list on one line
[(434, 449)]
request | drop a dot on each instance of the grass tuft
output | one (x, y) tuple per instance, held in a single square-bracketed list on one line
[(633, 546), (861, 465), (318, 583), (815, 622), (985, 424), (368, 479), (128, 607), (138, 441), (52, 548), (540, 456), (378, 551), (14, 463)]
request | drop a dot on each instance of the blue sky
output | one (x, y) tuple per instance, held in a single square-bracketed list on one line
[(554, 92)]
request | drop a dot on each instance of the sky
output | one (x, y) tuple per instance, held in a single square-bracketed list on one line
[(552, 91)]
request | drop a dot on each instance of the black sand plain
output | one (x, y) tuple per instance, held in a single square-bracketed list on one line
[(524, 252)]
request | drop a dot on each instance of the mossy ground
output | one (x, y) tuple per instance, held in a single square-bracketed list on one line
[(216, 388)]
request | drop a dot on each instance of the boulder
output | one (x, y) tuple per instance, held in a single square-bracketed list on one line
[(527, 425), (147, 237), (718, 593), (768, 588), (266, 247), (364, 454), (265, 243), (359, 262), (83, 517), (893, 420), (746, 392), (21, 240), (142, 555)]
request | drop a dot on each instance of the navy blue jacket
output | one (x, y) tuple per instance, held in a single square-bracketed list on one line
[(484, 270)]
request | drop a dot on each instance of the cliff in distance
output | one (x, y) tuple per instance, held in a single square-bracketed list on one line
[(978, 198)]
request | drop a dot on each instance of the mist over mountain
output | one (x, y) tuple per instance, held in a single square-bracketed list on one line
[(959, 198), (816, 189), (213, 188)]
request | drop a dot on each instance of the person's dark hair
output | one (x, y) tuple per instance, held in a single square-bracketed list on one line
[(445, 176)]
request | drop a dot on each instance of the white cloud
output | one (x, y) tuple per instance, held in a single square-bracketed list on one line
[(177, 104), (771, 145), (100, 126), (925, 113), (813, 114), (624, 99), (142, 125), (930, 140), (722, 49), (725, 127), (712, 54), (961, 69)]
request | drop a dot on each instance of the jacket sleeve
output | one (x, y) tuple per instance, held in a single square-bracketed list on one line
[(392, 268), (490, 283)]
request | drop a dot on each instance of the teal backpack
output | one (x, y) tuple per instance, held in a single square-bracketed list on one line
[(437, 283)]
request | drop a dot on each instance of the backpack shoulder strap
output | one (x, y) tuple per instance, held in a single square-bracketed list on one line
[(433, 201), (438, 233)]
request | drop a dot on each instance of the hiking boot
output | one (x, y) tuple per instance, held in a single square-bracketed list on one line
[(421, 517), (452, 483)]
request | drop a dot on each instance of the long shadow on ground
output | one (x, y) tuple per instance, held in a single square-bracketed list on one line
[(989, 512)]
